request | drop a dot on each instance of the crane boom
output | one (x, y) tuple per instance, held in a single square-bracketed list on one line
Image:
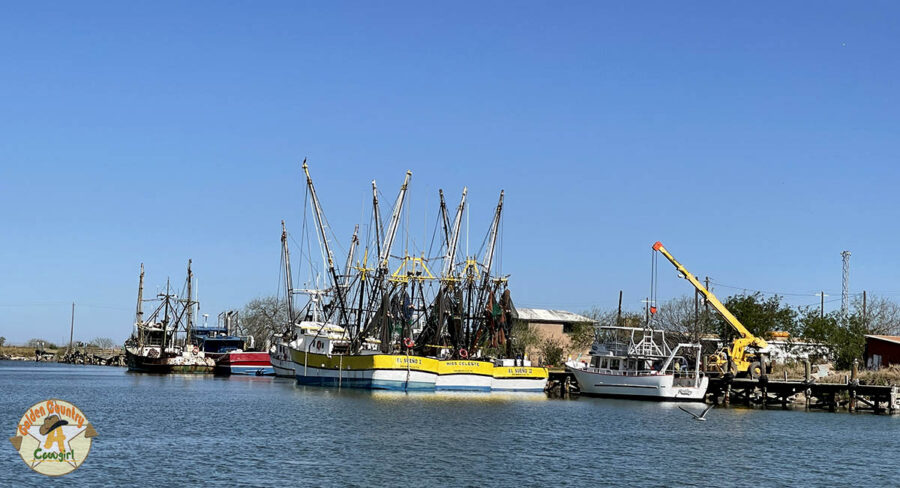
[(729, 317)]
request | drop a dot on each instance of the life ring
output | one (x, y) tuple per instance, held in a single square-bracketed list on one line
[(409, 343), (196, 350), (318, 344), (463, 353)]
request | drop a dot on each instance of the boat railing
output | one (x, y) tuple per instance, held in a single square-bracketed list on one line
[(637, 372)]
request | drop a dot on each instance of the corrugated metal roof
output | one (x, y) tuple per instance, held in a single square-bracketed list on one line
[(542, 315), (894, 339)]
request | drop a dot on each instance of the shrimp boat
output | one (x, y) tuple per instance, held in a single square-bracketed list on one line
[(319, 359), (160, 344), (630, 362), (399, 326)]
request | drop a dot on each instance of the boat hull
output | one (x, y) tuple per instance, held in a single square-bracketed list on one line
[(370, 371), (245, 363), (413, 373), (662, 387), (464, 375), (282, 364), (519, 378), (169, 365)]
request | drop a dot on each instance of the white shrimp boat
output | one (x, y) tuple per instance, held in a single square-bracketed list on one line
[(628, 362)]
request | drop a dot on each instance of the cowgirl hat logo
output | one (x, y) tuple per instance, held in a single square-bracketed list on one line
[(53, 437)]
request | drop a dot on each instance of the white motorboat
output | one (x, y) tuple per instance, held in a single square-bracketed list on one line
[(630, 362)]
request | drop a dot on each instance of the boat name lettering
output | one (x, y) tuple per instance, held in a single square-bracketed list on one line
[(462, 363), (409, 361)]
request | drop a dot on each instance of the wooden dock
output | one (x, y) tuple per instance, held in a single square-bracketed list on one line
[(766, 393), (785, 393)]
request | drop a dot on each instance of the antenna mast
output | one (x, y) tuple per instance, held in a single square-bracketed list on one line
[(845, 283)]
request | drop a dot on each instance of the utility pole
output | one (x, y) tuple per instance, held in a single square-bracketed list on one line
[(619, 313), (71, 330), (706, 325), (705, 301), (865, 317), (845, 283), (696, 306), (822, 305)]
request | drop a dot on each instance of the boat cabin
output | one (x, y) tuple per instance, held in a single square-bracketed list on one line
[(631, 351), (216, 340)]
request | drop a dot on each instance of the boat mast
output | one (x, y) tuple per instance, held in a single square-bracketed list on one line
[(392, 227), (486, 264), (445, 221), (321, 226), (488, 260), (384, 250), (139, 311), (354, 241), (71, 330), (288, 283), (453, 238), (165, 323), (190, 305), (376, 212)]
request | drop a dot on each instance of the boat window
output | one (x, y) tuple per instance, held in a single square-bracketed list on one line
[(603, 363), (614, 364), (632, 364)]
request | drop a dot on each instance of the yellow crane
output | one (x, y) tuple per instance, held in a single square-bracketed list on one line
[(745, 351)]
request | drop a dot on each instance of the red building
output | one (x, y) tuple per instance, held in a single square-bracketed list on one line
[(882, 351)]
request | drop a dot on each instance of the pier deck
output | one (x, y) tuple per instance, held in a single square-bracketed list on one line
[(765, 392)]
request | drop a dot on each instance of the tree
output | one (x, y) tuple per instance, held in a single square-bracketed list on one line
[(581, 337), (844, 335), (882, 315), (552, 351), (103, 343), (679, 316), (758, 315), (263, 318), (524, 337), (610, 317), (2, 341), (812, 326)]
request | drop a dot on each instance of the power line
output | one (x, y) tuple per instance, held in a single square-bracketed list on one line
[(764, 292)]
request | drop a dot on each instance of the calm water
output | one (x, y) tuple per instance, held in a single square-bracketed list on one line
[(188, 431)]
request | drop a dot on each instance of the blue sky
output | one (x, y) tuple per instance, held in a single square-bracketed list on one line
[(755, 141)]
